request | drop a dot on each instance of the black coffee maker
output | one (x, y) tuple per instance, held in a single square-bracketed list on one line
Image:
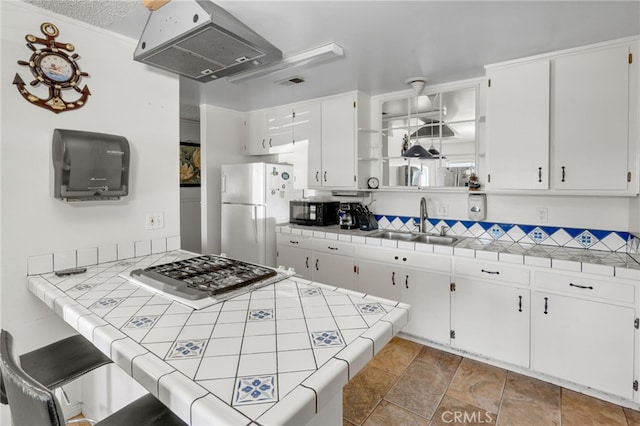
[(349, 216)]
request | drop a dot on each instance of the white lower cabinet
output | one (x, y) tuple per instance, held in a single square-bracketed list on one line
[(490, 308), (333, 269), (574, 326), (584, 341), (382, 273), (298, 259), (491, 320)]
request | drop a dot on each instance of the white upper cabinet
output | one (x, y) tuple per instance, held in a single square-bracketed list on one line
[(333, 162), (518, 127), (256, 133), (590, 125), (564, 122)]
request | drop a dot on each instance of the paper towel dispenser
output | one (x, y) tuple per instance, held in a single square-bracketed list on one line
[(90, 166)]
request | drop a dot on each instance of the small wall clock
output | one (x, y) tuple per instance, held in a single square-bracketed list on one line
[(55, 66)]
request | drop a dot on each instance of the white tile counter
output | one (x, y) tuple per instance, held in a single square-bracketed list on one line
[(277, 355)]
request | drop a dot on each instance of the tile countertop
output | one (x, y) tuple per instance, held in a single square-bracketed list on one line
[(277, 355), (571, 259)]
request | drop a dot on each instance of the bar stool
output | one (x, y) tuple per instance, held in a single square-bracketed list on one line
[(32, 403), (60, 363)]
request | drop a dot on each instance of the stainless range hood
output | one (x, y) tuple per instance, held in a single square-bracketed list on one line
[(200, 40)]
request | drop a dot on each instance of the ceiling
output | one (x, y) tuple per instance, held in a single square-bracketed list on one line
[(385, 42)]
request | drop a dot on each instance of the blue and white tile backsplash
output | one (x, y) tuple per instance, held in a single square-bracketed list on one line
[(525, 234)]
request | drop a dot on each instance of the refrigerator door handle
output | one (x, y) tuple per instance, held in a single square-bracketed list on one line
[(224, 183), (255, 223)]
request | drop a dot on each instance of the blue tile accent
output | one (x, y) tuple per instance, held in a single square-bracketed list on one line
[(325, 339), (537, 234), (405, 219), (261, 315), (143, 321), (253, 390), (371, 308), (310, 292), (107, 302), (186, 349)]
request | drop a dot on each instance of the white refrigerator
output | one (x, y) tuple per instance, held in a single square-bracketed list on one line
[(255, 197)]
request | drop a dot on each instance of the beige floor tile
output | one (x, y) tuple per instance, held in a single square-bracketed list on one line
[(387, 414), (421, 387), (396, 356), (529, 402), (454, 412), (583, 410), (478, 384), (633, 416), (362, 394), (346, 422), (440, 358)]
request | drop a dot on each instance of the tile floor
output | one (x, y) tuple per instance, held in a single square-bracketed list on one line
[(410, 384)]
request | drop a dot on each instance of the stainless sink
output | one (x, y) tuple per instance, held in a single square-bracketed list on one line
[(394, 235), (417, 238), (435, 239)]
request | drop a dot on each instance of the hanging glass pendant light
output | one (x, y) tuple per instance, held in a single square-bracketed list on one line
[(417, 150)]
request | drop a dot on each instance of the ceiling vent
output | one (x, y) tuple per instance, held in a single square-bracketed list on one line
[(200, 40), (291, 81)]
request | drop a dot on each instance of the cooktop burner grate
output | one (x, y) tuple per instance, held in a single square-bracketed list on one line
[(202, 276)]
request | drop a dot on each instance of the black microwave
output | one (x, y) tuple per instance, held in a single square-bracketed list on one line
[(317, 213)]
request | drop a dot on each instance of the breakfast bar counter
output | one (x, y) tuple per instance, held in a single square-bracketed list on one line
[(276, 355)]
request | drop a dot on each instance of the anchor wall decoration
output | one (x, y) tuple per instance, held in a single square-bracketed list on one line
[(52, 66)]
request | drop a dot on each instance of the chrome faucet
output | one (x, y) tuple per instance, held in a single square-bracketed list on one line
[(424, 214)]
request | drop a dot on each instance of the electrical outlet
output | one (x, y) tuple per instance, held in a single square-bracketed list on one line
[(442, 210), (541, 214), (154, 221)]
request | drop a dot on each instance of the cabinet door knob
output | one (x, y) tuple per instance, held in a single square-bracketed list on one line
[(395, 257)]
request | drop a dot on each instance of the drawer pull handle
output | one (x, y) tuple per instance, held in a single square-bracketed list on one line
[(332, 248), (490, 272), (546, 305), (586, 287), (395, 257), (406, 282), (306, 262), (294, 242), (393, 278), (317, 264), (519, 303)]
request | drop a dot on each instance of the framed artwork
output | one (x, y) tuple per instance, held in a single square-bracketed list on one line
[(189, 164)]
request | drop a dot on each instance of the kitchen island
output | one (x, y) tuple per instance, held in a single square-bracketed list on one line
[(276, 355)]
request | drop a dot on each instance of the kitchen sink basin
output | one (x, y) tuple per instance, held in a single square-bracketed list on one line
[(394, 235), (435, 239), (418, 238)]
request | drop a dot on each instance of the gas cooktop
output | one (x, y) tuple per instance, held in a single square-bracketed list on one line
[(205, 280)]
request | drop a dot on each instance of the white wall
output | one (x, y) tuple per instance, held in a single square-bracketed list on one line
[(128, 99), (221, 133), (607, 213)]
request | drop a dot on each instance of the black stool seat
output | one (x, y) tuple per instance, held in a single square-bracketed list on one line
[(33, 404), (147, 411), (61, 362)]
